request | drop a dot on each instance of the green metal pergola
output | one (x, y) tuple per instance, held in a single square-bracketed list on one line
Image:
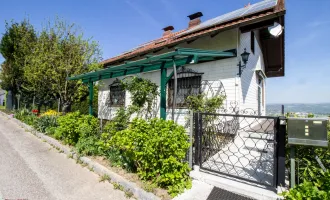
[(177, 58)]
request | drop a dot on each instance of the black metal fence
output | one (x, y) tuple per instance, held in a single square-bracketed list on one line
[(241, 146)]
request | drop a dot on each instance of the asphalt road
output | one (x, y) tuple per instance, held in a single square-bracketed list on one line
[(31, 169)]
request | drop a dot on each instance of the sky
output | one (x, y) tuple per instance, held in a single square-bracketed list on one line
[(120, 25)]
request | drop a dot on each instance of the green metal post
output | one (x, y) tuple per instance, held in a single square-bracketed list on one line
[(163, 74), (91, 96)]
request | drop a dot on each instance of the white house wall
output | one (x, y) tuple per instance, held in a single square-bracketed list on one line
[(249, 79)]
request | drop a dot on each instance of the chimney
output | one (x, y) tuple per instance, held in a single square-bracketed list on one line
[(168, 31), (195, 19), (248, 5)]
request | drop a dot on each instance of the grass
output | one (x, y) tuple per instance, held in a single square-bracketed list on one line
[(117, 186), (104, 177), (128, 194)]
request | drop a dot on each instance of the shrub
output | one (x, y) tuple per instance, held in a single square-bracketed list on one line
[(318, 189), (88, 126), (67, 129), (50, 130), (118, 123), (88, 146), (72, 126), (45, 122), (309, 169), (156, 149), (201, 103), (26, 116)]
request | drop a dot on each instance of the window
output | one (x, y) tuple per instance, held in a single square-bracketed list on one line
[(188, 83), (117, 94), (252, 42)]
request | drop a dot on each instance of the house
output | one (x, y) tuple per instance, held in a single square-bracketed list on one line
[(207, 56)]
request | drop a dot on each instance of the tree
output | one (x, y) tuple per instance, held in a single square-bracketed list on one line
[(61, 52), (15, 45)]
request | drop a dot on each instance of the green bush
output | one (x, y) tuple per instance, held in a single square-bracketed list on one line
[(88, 146), (309, 169), (72, 126), (45, 122), (318, 189), (25, 116), (88, 126), (156, 149), (201, 103)]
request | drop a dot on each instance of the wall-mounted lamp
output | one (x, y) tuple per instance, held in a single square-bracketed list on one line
[(245, 58)]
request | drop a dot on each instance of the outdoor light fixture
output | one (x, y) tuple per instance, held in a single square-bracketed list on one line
[(245, 58)]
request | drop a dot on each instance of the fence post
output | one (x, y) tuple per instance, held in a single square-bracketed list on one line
[(58, 104), (280, 140), (197, 151), (191, 132)]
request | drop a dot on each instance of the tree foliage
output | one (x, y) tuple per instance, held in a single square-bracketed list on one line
[(37, 64), (61, 52), (15, 46)]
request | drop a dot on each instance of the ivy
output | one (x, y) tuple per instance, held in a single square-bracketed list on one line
[(143, 93)]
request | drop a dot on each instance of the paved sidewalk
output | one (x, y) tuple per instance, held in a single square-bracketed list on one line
[(31, 169)]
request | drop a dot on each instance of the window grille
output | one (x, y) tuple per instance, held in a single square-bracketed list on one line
[(117, 94), (188, 83)]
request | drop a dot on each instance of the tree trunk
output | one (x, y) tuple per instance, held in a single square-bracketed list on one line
[(66, 107)]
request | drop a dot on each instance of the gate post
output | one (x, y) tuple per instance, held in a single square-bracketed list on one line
[(280, 140), (197, 138)]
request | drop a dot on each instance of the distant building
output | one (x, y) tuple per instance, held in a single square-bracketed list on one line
[(2, 97)]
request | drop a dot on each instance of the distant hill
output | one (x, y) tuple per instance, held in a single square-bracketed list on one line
[(318, 109)]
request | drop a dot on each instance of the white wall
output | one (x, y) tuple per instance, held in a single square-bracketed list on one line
[(249, 78)]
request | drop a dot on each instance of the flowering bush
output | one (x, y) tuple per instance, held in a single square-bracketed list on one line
[(50, 113)]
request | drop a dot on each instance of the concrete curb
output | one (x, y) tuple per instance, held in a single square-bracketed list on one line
[(98, 169)]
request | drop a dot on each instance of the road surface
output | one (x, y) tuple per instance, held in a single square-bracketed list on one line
[(31, 169)]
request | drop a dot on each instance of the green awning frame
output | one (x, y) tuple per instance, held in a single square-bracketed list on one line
[(178, 58), (181, 56)]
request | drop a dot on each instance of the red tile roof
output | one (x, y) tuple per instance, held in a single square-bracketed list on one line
[(174, 39)]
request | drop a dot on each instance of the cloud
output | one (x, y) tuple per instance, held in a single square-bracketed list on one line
[(316, 24), (150, 19)]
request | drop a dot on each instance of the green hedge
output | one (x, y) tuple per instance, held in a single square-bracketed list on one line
[(73, 126), (157, 149)]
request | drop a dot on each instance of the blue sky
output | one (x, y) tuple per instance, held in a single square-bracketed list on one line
[(119, 25)]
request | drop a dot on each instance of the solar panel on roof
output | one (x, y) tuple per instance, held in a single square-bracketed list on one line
[(254, 8)]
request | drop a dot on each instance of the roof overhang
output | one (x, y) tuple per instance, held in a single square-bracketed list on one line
[(180, 56)]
